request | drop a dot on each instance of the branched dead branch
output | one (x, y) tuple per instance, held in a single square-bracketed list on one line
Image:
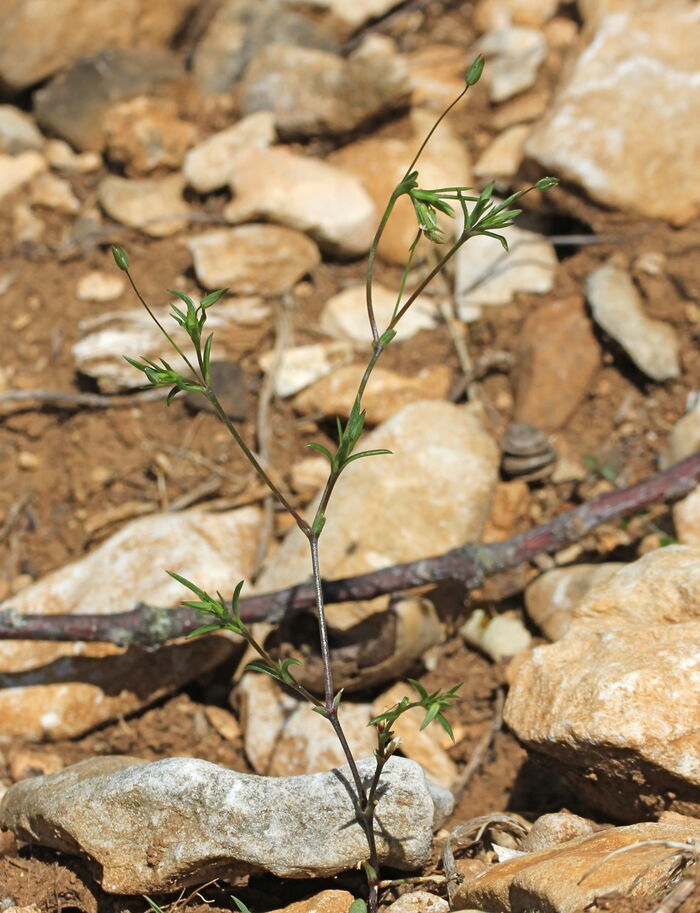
[(470, 564)]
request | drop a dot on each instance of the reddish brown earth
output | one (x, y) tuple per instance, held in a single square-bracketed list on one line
[(89, 471)]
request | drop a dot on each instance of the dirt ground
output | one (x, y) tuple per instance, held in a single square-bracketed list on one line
[(72, 476)]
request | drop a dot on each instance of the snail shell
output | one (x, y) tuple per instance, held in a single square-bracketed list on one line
[(528, 453)]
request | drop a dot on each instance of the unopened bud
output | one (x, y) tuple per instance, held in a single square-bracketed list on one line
[(120, 257), (474, 72)]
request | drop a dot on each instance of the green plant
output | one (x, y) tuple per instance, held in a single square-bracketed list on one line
[(481, 215)]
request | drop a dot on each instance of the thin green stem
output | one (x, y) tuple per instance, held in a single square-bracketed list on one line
[(160, 326), (429, 278), (370, 264), (252, 459), (294, 685), (434, 128), (407, 270)]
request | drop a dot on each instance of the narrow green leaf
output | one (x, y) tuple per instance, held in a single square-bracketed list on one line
[(182, 296), (190, 586), (433, 711), (325, 451), (122, 260), (284, 668), (546, 183), (419, 688), (439, 718), (491, 234), (365, 453), (152, 904), (206, 358), (134, 363), (204, 629), (212, 297), (260, 666), (239, 903), (178, 315), (171, 395)]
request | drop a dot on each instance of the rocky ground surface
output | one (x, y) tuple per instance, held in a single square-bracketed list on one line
[(253, 144)]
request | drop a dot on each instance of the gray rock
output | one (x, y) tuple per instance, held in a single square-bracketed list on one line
[(239, 30), (617, 308), (313, 92), (305, 193), (73, 103), (164, 825)]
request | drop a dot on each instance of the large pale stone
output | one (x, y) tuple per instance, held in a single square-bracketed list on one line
[(18, 132), (60, 690), (71, 29), (552, 598), (683, 439), (637, 60), (168, 824), (430, 495), (560, 880), (686, 518), (208, 165), (486, 274), (380, 164), (285, 737), (327, 202), (345, 314), (386, 393), (155, 205), (616, 307), (313, 92), (517, 53), (303, 365), (18, 170), (615, 701), (253, 259)]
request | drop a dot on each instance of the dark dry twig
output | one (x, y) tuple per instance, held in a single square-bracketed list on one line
[(470, 564), (68, 400)]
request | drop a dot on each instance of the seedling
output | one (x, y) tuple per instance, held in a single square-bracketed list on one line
[(481, 215)]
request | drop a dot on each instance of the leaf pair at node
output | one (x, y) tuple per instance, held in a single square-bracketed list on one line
[(433, 703)]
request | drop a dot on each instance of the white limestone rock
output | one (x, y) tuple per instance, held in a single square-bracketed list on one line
[(617, 308), (161, 826)]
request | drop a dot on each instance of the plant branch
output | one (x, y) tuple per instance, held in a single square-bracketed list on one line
[(149, 626)]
